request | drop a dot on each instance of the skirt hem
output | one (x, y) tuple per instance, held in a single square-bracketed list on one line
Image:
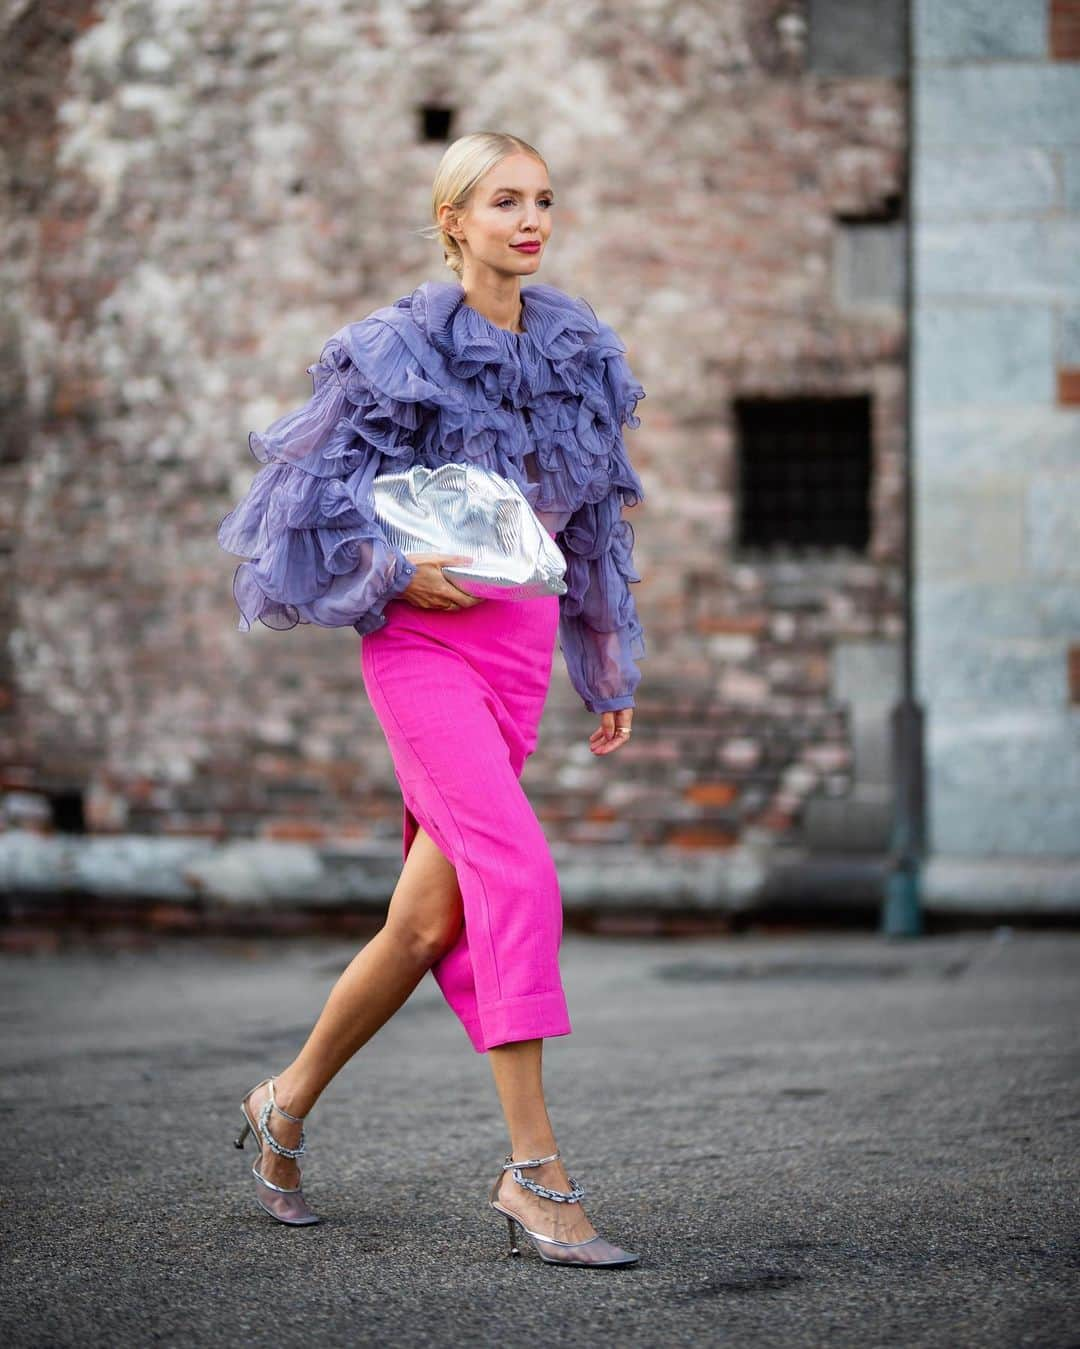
[(537, 1016)]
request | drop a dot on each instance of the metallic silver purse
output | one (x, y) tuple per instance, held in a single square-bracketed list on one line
[(474, 512)]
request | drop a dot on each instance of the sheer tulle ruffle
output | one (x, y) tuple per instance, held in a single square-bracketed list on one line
[(430, 378), (307, 522), (600, 632)]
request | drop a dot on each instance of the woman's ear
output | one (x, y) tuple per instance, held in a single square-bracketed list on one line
[(448, 221)]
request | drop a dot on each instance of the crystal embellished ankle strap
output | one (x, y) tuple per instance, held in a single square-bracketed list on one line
[(264, 1126), (572, 1196)]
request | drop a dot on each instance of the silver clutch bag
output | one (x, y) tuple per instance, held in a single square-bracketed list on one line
[(474, 512)]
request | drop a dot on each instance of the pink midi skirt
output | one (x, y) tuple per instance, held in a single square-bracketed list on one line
[(459, 695)]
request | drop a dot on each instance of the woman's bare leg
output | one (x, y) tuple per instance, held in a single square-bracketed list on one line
[(518, 1071), (422, 921)]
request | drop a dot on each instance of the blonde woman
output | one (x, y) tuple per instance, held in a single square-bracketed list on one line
[(530, 383)]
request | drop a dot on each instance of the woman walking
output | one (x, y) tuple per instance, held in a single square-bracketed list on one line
[(527, 382)]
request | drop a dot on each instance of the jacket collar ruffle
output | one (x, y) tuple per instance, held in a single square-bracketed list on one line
[(560, 339)]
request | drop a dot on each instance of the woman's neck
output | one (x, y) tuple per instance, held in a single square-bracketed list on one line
[(499, 302)]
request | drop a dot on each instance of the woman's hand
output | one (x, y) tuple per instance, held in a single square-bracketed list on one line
[(430, 589), (613, 731)]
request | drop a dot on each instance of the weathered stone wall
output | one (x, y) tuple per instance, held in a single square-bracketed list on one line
[(997, 329), (201, 193)]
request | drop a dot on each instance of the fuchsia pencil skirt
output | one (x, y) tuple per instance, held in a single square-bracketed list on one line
[(459, 695)]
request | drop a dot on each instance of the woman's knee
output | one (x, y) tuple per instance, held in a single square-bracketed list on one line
[(424, 940), (426, 912)]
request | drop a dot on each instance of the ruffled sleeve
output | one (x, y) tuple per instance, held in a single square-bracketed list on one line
[(599, 629), (317, 554)]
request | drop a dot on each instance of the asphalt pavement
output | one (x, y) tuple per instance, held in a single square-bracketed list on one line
[(829, 1139)]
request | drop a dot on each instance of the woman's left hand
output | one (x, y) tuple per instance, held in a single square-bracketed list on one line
[(608, 736)]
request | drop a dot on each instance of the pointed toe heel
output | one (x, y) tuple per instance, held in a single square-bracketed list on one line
[(286, 1204), (596, 1251)]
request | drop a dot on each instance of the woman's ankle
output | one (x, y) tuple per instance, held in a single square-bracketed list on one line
[(292, 1094), (527, 1154)]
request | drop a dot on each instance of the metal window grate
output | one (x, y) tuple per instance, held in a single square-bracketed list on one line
[(804, 473)]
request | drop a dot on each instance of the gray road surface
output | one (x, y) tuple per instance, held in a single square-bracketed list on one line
[(825, 1140)]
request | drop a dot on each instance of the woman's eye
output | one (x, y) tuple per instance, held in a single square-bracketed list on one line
[(509, 201)]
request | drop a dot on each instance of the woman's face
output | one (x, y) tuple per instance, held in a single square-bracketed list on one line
[(510, 205)]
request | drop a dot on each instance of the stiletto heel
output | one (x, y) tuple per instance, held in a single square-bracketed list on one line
[(597, 1252), (286, 1205)]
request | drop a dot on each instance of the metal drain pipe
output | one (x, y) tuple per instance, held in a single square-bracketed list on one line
[(901, 914)]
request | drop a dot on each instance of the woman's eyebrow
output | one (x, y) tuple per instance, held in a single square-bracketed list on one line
[(517, 192)]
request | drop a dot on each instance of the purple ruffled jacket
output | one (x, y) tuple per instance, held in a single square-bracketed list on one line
[(430, 379)]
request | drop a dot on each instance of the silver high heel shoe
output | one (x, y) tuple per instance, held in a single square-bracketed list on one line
[(286, 1205), (595, 1251)]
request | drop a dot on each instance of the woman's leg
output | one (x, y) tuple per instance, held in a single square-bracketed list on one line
[(517, 1069), (422, 922)]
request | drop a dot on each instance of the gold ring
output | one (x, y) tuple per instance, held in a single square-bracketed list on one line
[(622, 730)]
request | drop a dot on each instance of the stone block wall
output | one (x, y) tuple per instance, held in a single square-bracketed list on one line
[(997, 386)]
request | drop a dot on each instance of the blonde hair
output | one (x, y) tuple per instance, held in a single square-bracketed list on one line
[(463, 164)]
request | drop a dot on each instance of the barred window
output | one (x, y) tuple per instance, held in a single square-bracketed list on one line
[(803, 473)]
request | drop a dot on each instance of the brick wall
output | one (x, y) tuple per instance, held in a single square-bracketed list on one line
[(200, 197)]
